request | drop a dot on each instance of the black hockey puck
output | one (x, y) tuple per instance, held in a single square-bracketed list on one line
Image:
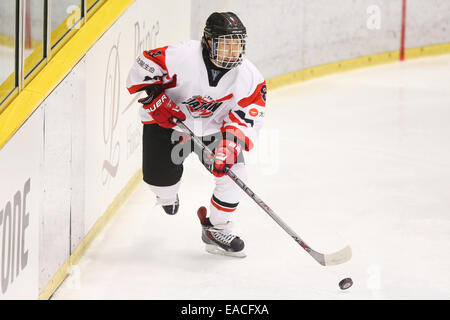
[(345, 283)]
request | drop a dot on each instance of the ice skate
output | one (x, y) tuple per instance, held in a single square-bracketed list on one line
[(170, 206), (218, 239)]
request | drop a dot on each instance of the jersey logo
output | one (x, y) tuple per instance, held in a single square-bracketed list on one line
[(154, 54), (215, 73), (204, 107), (253, 112)]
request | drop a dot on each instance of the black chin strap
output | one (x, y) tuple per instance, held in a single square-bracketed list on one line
[(215, 73)]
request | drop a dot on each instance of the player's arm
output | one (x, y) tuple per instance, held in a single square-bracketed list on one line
[(149, 69), (148, 74), (240, 128)]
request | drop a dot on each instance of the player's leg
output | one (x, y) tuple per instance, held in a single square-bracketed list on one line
[(226, 196), (162, 169), (217, 228)]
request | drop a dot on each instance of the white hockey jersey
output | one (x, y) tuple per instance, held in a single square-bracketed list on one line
[(235, 103)]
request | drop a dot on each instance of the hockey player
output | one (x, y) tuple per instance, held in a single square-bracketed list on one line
[(220, 96)]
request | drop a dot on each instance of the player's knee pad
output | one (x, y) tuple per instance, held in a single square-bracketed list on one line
[(226, 196), (227, 188)]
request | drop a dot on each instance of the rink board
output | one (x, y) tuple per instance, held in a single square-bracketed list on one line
[(106, 129), (20, 201), (89, 140)]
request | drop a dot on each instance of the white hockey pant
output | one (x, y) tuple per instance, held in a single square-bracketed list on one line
[(224, 200)]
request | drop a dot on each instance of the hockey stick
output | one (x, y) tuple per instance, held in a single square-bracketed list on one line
[(335, 258)]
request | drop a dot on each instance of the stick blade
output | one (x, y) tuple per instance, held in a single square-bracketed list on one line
[(338, 257)]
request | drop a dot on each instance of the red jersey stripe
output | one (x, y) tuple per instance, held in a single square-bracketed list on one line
[(158, 56), (171, 84), (138, 87), (257, 97), (225, 98)]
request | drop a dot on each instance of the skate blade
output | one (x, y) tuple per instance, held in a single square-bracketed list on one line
[(213, 249)]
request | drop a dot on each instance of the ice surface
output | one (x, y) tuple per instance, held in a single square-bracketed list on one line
[(359, 158)]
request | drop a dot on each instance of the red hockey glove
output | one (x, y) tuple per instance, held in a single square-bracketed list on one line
[(225, 156), (163, 110)]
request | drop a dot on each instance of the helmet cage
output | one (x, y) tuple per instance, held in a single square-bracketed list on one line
[(226, 51)]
